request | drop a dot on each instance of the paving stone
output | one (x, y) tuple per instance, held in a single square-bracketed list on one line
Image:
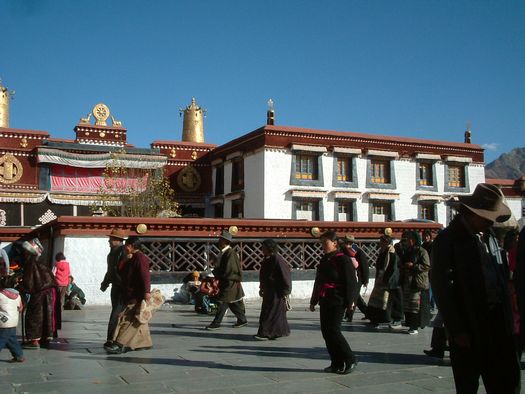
[(185, 358)]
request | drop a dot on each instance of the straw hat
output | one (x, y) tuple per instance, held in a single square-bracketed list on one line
[(117, 233)]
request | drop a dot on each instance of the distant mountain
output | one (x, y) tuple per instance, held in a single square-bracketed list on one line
[(508, 166)]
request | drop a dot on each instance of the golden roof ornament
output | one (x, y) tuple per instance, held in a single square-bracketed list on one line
[(101, 113), (193, 122)]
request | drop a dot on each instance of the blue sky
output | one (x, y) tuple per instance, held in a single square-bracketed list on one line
[(404, 68)]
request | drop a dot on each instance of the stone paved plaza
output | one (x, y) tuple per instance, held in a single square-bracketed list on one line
[(187, 358)]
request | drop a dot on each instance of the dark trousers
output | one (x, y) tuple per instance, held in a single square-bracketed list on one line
[(8, 340), (412, 320), (361, 304), (236, 307), (395, 304), (438, 343), (117, 306), (336, 344), (495, 361)]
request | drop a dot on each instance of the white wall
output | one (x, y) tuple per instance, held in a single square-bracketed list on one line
[(270, 188), (277, 170), (405, 173), (362, 208), (87, 257), (476, 175)]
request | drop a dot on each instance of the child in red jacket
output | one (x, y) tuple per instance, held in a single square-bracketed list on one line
[(62, 273)]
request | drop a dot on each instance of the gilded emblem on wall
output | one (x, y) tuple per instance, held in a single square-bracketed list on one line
[(23, 142), (173, 152), (189, 179), (194, 155), (11, 169)]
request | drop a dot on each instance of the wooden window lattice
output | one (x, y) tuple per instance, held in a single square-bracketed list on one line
[(183, 255)]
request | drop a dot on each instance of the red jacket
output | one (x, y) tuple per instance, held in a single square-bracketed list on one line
[(136, 278), (62, 272)]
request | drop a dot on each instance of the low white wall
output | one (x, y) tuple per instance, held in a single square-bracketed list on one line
[(87, 257)]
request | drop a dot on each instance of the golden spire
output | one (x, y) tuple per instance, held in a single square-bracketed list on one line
[(5, 96), (193, 122)]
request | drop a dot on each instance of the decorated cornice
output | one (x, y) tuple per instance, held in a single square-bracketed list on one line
[(18, 133), (26, 197), (212, 228), (100, 160), (284, 137), (84, 200), (165, 144)]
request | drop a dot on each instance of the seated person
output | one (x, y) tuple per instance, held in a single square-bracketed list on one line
[(74, 296)]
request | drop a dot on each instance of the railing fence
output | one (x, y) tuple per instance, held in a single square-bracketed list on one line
[(190, 254)]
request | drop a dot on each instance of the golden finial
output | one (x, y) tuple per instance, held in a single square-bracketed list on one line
[(193, 122)]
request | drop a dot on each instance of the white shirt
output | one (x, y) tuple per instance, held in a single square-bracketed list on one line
[(10, 302)]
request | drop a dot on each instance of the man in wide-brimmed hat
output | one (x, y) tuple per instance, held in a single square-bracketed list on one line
[(116, 254), (468, 277)]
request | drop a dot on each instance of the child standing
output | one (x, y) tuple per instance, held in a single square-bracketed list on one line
[(62, 273), (10, 307)]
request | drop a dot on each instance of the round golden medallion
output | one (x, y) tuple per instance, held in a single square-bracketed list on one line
[(11, 169), (189, 179), (315, 232), (233, 230), (141, 228), (101, 114)]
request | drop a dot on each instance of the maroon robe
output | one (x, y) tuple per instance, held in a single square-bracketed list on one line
[(276, 283)]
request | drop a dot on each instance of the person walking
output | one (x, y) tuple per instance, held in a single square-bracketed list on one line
[(229, 273), (43, 312), (415, 266), (112, 276), (387, 278), (469, 280), (352, 250), (62, 271), (275, 284), (335, 290), (136, 286), (427, 245)]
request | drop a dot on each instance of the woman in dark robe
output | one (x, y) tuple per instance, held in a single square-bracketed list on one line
[(335, 290), (387, 279), (416, 303), (275, 284), (42, 316)]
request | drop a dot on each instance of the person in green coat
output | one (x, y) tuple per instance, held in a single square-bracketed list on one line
[(229, 273)]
